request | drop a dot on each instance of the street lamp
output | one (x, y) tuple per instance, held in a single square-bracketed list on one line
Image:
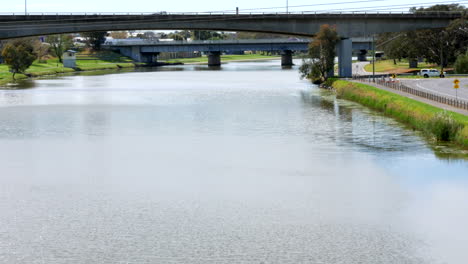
[(25, 7), (287, 6)]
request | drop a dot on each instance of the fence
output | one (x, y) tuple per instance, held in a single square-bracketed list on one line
[(386, 81)]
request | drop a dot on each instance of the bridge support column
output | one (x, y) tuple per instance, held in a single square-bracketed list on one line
[(286, 58), (345, 58), (149, 57), (214, 58)]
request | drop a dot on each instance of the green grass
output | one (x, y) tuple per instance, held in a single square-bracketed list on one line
[(403, 66), (439, 124), (204, 59), (85, 62)]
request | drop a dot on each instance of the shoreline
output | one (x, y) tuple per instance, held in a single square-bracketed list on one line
[(58, 71), (439, 124)]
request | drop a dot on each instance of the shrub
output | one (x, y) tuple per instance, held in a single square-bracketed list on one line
[(461, 65)]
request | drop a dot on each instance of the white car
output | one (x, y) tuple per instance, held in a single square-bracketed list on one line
[(426, 73)]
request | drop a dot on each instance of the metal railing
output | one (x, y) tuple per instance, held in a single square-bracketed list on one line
[(391, 83), (163, 13), (131, 42)]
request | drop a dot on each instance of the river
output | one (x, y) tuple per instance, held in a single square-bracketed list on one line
[(243, 164)]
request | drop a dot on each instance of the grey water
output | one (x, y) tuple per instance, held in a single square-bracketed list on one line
[(240, 164)]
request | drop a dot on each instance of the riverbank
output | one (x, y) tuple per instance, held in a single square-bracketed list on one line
[(85, 62), (439, 124), (107, 61)]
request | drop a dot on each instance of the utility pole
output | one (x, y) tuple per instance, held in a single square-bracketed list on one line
[(373, 58)]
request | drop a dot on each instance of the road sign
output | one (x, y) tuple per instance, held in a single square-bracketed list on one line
[(456, 86), (456, 81)]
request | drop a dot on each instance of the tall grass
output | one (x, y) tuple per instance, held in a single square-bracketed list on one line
[(439, 124)]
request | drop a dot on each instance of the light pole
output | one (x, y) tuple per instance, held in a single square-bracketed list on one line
[(25, 7), (287, 6), (373, 58)]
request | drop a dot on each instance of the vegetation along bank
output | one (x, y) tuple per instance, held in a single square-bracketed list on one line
[(439, 124)]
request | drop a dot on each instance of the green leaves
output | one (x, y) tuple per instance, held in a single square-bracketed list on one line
[(19, 55), (321, 55)]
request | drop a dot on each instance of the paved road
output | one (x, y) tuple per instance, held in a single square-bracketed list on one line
[(358, 68), (442, 87)]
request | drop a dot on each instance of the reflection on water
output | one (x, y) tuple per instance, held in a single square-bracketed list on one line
[(247, 164)]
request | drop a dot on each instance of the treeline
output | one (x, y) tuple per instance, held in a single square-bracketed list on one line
[(198, 35), (443, 47)]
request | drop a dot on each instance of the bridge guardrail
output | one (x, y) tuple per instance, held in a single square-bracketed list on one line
[(233, 12), (195, 42), (386, 81)]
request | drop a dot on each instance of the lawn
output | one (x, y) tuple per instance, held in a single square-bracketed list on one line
[(88, 61), (400, 67)]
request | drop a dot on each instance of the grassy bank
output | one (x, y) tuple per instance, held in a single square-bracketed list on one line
[(224, 58), (85, 62), (401, 66), (437, 123)]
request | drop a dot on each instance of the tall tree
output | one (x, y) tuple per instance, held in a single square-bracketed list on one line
[(59, 44), (95, 39), (321, 55), (207, 35), (19, 55), (442, 46)]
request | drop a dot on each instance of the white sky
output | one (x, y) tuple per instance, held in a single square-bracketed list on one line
[(210, 5)]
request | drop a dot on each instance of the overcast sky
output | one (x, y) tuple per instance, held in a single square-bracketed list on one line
[(210, 5)]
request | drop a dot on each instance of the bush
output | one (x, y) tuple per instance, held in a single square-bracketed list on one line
[(444, 127), (461, 65)]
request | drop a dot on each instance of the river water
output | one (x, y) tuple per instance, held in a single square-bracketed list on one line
[(243, 164)]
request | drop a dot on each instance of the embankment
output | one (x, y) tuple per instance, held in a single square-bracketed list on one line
[(439, 124)]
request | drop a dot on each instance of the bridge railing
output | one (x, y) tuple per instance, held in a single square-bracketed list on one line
[(391, 83), (201, 42), (233, 12)]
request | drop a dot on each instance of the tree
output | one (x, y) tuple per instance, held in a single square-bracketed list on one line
[(461, 64), (59, 44), (321, 55), (2, 44), (207, 35), (41, 50), (95, 39), (119, 34), (442, 46), (19, 55)]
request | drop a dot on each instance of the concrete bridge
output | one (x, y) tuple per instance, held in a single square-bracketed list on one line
[(300, 24), (148, 50), (348, 25)]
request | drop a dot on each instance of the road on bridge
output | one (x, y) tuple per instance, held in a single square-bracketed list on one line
[(443, 87)]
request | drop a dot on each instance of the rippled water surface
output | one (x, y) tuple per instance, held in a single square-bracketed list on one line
[(243, 164)]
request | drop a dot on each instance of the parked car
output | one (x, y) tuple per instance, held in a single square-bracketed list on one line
[(426, 73)]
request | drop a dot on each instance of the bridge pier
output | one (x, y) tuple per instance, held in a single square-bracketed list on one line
[(345, 58), (149, 57), (286, 58), (214, 58)]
